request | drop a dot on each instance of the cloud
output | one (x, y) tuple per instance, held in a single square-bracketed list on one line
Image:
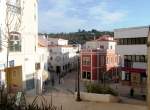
[(71, 15), (102, 13)]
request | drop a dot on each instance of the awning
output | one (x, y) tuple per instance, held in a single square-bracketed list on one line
[(135, 70)]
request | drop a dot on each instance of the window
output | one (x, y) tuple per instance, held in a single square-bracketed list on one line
[(102, 60), (50, 50), (14, 6), (107, 60), (132, 41), (88, 75), (37, 66), (51, 58), (86, 61), (101, 47), (142, 58), (30, 82), (84, 75), (135, 58), (127, 76), (34, 11), (15, 42), (138, 58), (111, 47)]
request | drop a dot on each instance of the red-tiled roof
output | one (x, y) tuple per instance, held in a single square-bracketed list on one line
[(42, 42), (104, 38)]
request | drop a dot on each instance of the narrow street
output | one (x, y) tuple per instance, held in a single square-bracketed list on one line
[(67, 84)]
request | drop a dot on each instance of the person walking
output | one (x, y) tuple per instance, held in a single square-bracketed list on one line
[(132, 92)]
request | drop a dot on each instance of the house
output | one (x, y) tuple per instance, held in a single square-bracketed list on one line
[(57, 41), (62, 56), (99, 60), (41, 65), (19, 42), (132, 47)]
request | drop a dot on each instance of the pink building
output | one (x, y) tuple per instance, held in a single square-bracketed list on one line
[(99, 60)]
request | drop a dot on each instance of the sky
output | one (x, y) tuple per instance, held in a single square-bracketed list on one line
[(57, 16)]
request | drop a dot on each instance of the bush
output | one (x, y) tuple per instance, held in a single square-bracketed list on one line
[(100, 89), (8, 102)]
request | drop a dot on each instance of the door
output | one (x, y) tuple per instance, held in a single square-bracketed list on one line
[(14, 79)]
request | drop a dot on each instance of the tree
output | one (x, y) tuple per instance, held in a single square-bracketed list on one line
[(12, 25)]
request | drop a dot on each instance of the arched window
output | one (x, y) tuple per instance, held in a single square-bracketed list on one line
[(15, 42)]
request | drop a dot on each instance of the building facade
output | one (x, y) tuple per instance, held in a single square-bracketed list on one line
[(57, 41), (19, 42), (41, 65), (132, 48), (99, 61), (148, 79), (62, 56)]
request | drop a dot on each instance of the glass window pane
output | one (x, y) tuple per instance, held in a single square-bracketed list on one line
[(88, 75), (84, 75), (137, 58)]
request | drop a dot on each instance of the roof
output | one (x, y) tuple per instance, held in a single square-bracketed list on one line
[(53, 46), (42, 42), (56, 38), (138, 27), (104, 38)]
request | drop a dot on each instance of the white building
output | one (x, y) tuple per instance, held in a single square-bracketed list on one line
[(57, 41), (62, 57), (102, 43), (42, 63), (23, 29), (133, 51)]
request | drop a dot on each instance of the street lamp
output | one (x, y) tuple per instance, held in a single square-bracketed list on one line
[(78, 82), (78, 75)]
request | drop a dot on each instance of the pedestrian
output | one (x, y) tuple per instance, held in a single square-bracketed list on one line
[(132, 92), (62, 80), (53, 81)]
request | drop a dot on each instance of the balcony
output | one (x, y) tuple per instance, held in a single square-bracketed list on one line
[(97, 50), (14, 7)]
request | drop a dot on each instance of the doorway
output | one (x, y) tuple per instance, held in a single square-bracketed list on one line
[(14, 79)]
